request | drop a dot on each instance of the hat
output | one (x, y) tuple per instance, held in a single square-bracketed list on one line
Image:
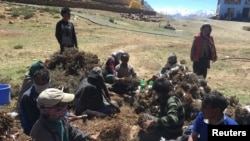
[(37, 65), (172, 57), (97, 70), (52, 96), (118, 54)]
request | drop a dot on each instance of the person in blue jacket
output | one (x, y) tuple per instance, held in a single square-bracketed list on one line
[(212, 113), (29, 112)]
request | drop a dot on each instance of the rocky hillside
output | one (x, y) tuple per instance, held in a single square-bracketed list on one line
[(122, 6)]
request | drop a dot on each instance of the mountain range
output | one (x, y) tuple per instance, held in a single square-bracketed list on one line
[(183, 13)]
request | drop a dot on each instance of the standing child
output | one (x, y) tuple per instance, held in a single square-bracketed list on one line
[(203, 50), (65, 31)]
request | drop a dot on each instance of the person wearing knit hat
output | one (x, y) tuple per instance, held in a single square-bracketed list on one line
[(29, 112), (35, 66), (171, 64), (28, 81), (110, 64), (52, 124)]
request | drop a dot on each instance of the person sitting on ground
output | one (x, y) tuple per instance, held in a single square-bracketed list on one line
[(92, 95), (171, 63), (29, 112), (125, 78), (110, 64), (169, 119), (28, 81), (212, 112), (52, 125)]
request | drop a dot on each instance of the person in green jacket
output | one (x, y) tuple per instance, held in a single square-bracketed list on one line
[(168, 121)]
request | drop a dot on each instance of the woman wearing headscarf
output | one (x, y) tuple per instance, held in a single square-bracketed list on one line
[(203, 50), (92, 96), (110, 64)]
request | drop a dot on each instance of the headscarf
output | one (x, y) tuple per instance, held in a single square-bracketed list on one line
[(56, 112), (118, 54)]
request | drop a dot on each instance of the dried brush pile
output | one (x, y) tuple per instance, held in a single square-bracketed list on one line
[(190, 88), (69, 68), (6, 123)]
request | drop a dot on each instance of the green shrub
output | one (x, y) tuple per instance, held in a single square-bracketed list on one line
[(2, 16), (22, 11), (111, 20), (28, 15), (49, 10), (18, 47)]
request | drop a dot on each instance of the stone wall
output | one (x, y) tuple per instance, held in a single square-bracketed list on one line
[(87, 5), (122, 2)]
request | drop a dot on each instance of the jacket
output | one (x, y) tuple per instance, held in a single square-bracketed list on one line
[(28, 108), (66, 29), (90, 94), (196, 49), (43, 130), (171, 117)]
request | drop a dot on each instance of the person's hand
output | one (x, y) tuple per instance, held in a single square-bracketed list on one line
[(71, 118), (60, 87), (76, 48), (94, 136), (147, 124), (122, 79)]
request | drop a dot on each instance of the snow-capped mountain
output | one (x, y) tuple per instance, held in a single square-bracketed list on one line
[(182, 13), (148, 6), (188, 14)]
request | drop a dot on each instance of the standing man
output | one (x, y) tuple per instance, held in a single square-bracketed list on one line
[(203, 50), (65, 31)]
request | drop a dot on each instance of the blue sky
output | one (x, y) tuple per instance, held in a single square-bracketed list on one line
[(191, 5)]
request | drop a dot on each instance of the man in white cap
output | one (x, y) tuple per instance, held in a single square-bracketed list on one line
[(52, 125)]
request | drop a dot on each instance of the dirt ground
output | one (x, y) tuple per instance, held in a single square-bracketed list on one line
[(229, 74)]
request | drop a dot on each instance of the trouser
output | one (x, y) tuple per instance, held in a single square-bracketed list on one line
[(200, 67), (62, 48)]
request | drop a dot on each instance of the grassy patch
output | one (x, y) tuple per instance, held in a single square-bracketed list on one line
[(24, 11), (18, 47)]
